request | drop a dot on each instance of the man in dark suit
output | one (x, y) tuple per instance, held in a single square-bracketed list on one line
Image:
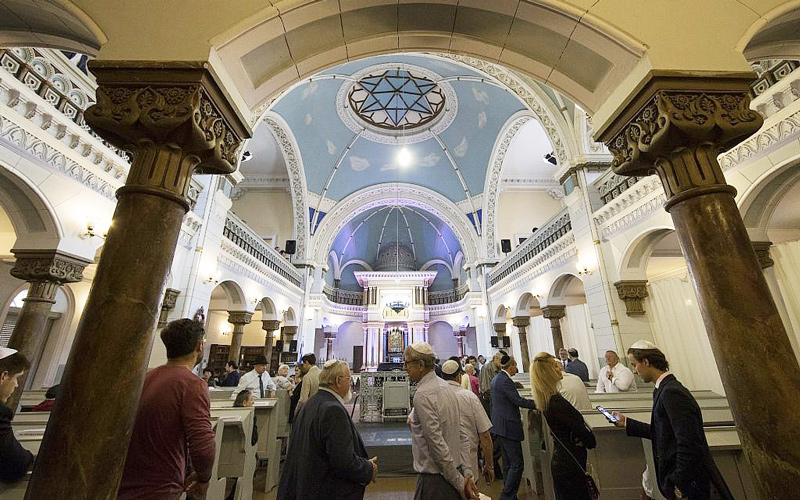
[(507, 424), (684, 467), (326, 457), (576, 366)]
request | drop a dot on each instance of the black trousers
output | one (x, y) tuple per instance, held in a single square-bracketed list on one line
[(435, 487), (512, 467)]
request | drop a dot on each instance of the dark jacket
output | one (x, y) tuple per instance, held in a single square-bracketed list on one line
[(573, 439), (326, 457), (231, 380), (579, 368), (14, 459), (506, 402), (680, 449)]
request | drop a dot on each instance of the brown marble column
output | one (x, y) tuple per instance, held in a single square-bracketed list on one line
[(168, 304), (45, 271), (269, 326), (288, 335), (633, 293), (554, 314), (174, 119), (239, 319), (522, 322), (676, 126), (500, 330)]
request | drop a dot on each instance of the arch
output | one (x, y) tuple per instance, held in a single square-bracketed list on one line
[(289, 318), (387, 194), (774, 35), (337, 272), (262, 52), (434, 262), (59, 24), (268, 309), (558, 291), (228, 296), (524, 303), (633, 265), (759, 202), (500, 314), (34, 219), (353, 262)]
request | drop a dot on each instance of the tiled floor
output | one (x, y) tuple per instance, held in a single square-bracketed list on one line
[(402, 488)]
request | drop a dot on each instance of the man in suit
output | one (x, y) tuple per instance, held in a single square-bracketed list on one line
[(576, 366), (684, 467), (507, 424), (326, 456)]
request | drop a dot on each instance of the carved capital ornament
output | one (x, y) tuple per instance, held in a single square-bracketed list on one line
[(762, 252), (521, 321), (554, 312), (237, 318), (270, 325), (633, 293)]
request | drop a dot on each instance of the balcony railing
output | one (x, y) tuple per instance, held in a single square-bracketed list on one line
[(447, 296), (245, 238), (346, 297), (611, 185), (555, 229)]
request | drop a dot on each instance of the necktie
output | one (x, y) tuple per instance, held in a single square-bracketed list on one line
[(261, 385)]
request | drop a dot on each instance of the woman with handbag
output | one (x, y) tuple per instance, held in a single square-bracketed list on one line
[(571, 437)]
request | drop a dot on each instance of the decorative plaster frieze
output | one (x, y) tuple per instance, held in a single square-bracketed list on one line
[(556, 255), (631, 206), (239, 261), (528, 182), (767, 140), (191, 225), (264, 182)]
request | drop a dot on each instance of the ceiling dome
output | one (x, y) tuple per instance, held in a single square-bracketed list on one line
[(396, 257)]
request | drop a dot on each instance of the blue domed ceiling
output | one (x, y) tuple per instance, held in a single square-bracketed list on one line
[(432, 243), (343, 153)]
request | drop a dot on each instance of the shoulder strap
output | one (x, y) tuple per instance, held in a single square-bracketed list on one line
[(565, 448)]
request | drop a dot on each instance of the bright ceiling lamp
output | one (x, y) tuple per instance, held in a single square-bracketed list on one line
[(404, 158)]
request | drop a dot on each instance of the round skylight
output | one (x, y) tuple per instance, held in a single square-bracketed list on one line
[(396, 99)]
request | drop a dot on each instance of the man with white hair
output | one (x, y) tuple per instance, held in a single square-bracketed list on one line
[(615, 377), (326, 456), (439, 444), (473, 419)]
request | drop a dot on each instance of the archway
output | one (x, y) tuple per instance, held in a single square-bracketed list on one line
[(567, 299)]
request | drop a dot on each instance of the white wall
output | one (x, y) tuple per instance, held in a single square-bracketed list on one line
[(520, 211), (349, 335), (267, 212), (441, 338)]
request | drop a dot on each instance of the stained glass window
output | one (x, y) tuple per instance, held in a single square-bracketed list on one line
[(396, 99)]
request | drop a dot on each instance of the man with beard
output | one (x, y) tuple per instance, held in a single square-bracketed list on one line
[(326, 456), (174, 415)]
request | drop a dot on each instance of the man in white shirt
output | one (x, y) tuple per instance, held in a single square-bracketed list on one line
[(257, 380), (615, 377), (572, 388), (563, 357)]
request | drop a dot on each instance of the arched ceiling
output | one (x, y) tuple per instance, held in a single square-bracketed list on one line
[(339, 160)]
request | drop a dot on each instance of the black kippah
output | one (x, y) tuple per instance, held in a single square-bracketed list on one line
[(505, 359)]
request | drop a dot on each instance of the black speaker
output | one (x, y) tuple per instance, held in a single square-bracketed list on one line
[(293, 346), (505, 246), (494, 341), (279, 345), (291, 247)]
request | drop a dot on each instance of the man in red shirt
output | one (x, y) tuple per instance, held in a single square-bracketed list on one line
[(174, 415)]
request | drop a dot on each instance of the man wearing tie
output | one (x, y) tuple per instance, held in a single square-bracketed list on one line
[(257, 380), (563, 357)]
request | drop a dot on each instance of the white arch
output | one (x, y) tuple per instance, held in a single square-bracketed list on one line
[(352, 262), (387, 194), (433, 262)]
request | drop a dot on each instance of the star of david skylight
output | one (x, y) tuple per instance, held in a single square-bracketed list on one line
[(396, 99)]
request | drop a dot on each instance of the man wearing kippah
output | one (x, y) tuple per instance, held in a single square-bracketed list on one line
[(683, 463), (439, 444), (14, 459), (507, 424)]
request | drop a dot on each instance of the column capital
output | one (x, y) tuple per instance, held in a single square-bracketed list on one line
[(762, 252), (48, 265), (499, 328), (289, 330), (554, 312), (521, 321), (676, 126), (270, 325), (239, 317), (170, 298), (173, 117), (633, 293)]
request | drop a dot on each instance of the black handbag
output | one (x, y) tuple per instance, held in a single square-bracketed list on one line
[(591, 485)]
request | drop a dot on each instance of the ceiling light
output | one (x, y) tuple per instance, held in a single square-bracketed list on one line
[(404, 158), (247, 156), (551, 158)]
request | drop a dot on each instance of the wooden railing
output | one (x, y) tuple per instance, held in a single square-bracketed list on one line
[(554, 230), (346, 297), (245, 238), (447, 296)]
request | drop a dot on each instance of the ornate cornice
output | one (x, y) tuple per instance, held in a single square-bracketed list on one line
[(173, 117), (240, 262), (762, 143), (633, 293), (631, 207), (48, 265), (560, 252)]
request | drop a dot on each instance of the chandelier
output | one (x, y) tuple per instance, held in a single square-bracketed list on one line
[(397, 305)]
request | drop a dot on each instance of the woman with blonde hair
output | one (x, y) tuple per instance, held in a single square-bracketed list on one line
[(571, 437)]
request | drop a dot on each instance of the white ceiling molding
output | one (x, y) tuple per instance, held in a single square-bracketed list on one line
[(393, 194)]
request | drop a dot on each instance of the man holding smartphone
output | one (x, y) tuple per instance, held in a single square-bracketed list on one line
[(683, 463)]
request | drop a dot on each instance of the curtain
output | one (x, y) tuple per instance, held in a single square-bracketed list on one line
[(540, 336), (577, 333), (679, 331), (787, 274)]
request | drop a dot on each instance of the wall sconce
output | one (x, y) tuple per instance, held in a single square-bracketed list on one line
[(212, 279), (583, 270), (226, 332), (91, 232)]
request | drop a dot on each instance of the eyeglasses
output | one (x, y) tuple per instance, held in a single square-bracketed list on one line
[(407, 362)]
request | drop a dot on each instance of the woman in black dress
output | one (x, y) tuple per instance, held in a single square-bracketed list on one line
[(571, 435)]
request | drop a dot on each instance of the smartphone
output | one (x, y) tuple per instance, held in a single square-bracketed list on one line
[(611, 418)]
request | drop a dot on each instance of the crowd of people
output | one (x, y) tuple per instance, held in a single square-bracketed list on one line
[(465, 422)]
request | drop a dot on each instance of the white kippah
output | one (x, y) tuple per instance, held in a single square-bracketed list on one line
[(6, 352), (422, 348), (643, 344), (450, 367), (330, 363)]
